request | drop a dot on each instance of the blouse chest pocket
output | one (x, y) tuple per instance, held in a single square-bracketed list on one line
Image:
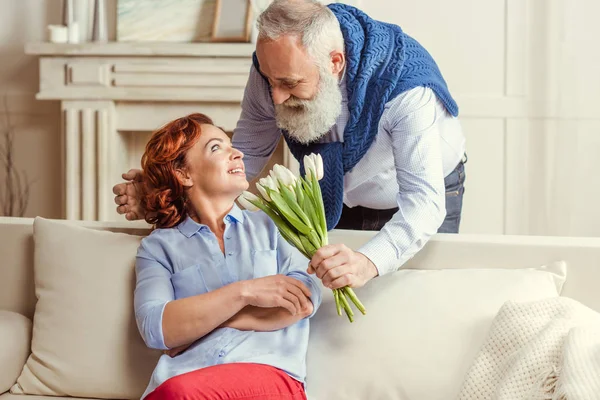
[(264, 263), (188, 282)]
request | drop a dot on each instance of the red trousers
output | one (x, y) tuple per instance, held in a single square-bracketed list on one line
[(245, 381)]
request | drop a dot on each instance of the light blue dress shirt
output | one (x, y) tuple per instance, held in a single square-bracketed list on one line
[(417, 145), (186, 260)]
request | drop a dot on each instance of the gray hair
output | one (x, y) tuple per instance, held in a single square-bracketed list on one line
[(314, 23)]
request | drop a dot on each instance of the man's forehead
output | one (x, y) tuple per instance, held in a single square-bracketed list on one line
[(282, 59)]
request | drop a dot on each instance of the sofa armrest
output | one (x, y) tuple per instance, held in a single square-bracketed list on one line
[(15, 347)]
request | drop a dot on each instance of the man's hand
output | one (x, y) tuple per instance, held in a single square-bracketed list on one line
[(128, 195), (338, 266), (277, 291)]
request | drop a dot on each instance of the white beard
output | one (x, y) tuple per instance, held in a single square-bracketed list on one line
[(308, 120)]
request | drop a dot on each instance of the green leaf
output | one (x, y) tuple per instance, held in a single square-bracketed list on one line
[(291, 201), (317, 204), (295, 241), (286, 230), (315, 239), (300, 195), (308, 246), (315, 217), (287, 213), (319, 200)]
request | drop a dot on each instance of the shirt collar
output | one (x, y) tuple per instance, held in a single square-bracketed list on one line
[(189, 227), (342, 86)]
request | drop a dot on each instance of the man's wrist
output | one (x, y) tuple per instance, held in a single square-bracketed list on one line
[(370, 270)]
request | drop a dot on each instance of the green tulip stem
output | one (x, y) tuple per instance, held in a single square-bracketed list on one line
[(336, 297), (346, 306), (350, 293)]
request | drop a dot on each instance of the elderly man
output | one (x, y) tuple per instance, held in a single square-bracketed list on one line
[(372, 101)]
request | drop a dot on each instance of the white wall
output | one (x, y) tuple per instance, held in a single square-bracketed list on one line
[(37, 123), (525, 74)]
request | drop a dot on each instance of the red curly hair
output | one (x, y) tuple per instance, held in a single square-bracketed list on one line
[(164, 196)]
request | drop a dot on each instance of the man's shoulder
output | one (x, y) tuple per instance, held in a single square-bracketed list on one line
[(256, 81)]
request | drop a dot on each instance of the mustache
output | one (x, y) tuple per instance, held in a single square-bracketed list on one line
[(295, 102)]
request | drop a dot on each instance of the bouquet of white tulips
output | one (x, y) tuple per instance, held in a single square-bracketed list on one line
[(295, 204)]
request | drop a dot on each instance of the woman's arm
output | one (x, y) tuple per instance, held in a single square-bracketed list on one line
[(292, 264), (167, 323), (260, 319)]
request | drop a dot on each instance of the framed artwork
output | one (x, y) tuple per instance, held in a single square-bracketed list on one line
[(232, 21), (165, 20)]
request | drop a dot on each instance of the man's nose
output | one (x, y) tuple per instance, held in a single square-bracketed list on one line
[(279, 95)]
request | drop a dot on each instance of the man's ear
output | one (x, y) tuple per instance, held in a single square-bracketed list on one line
[(184, 177), (338, 61)]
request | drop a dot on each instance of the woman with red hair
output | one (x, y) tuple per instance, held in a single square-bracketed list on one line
[(218, 289)]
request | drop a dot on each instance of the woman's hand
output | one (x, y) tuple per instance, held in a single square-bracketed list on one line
[(128, 195), (277, 291)]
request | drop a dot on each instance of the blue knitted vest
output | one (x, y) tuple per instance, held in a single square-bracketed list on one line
[(381, 62)]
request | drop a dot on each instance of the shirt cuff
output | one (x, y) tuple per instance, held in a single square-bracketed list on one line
[(151, 327), (315, 290), (382, 254)]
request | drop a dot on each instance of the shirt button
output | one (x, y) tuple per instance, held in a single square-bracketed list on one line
[(227, 237), (221, 353), (230, 253)]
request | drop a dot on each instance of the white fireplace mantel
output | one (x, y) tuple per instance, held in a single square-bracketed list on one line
[(106, 89)]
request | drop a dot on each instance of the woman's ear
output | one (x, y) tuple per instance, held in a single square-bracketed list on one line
[(184, 177)]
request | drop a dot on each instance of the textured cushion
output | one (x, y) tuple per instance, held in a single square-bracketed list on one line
[(422, 331), (85, 342), (15, 334)]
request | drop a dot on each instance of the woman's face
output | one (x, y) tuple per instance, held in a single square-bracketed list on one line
[(213, 167)]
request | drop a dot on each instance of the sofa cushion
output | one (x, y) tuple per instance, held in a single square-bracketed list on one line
[(9, 396), (15, 331), (85, 342), (422, 331)]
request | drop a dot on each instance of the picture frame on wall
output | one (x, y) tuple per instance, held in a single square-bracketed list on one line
[(178, 21), (232, 21)]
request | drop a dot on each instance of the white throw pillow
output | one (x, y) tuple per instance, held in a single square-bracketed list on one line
[(85, 341), (422, 331), (15, 339)]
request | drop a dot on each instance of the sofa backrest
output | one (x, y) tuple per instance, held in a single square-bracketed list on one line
[(443, 251)]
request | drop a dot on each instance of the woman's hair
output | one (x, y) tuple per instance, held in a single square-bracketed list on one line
[(314, 23), (163, 195)]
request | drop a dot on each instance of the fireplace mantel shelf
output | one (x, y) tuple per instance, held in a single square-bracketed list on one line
[(141, 49), (109, 90)]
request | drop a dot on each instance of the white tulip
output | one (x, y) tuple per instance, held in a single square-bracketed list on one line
[(244, 200), (283, 175), (263, 192), (269, 182), (309, 166), (264, 183), (318, 160)]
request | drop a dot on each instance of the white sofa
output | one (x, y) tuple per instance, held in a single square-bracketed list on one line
[(420, 335)]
